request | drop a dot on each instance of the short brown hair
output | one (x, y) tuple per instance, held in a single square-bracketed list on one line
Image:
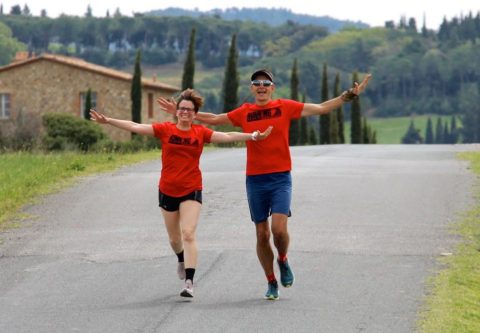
[(192, 96)]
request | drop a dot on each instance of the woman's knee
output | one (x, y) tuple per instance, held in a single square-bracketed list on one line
[(188, 235)]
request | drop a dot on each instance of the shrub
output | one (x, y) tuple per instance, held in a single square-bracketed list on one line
[(65, 131)]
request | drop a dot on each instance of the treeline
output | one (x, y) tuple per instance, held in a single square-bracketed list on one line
[(415, 70), (444, 132), (271, 16), (113, 40)]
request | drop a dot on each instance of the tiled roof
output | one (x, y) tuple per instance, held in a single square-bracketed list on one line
[(87, 66)]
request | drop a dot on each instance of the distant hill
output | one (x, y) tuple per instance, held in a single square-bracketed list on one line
[(271, 16)]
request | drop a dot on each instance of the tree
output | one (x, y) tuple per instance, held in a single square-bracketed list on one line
[(136, 92), (88, 104), (304, 131), (439, 131), (294, 131), (365, 131), (412, 135), (231, 80), (429, 139), (189, 67), (356, 118), (324, 119), (16, 10), (471, 113), (304, 128), (454, 133), (335, 136), (312, 137), (26, 11), (446, 134), (89, 11)]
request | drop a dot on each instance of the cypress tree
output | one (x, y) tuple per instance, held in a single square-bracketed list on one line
[(304, 128), (136, 92), (446, 134), (429, 132), (356, 118), (339, 111), (334, 125), (412, 135), (312, 137), (189, 66), (303, 138), (88, 104), (324, 119), (365, 130), (230, 81), (439, 131), (453, 130), (294, 131), (373, 137)]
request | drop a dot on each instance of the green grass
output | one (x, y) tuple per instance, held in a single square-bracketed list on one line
[(454, 303), (25, 176), (391, 130)]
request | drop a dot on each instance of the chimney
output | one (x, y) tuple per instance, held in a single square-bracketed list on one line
[(21, 55)]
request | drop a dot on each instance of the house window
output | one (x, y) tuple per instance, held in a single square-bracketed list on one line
[(150, 105), (83, 99), (4, 105)]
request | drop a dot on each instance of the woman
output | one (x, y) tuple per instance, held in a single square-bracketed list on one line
[(180, 186)]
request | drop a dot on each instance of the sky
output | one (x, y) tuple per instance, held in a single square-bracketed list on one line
[(372, 12)]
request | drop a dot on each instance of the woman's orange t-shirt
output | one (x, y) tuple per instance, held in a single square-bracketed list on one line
[(181, 151), (273, 153)]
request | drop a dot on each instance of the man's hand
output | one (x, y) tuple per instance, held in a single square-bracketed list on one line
[(167, 105), (359, 88)]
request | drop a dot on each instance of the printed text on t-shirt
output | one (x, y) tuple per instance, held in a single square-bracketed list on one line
[(264, 114), (178, 140)]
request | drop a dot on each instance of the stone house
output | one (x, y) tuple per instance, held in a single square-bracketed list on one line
[(32, 86)]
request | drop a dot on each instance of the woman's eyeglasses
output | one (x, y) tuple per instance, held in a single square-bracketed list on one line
[(265, 83), (184, 109)]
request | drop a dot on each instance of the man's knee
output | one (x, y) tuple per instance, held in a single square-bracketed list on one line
[(263, 233)]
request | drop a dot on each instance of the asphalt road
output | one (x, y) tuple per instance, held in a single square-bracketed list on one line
[(368, 225)]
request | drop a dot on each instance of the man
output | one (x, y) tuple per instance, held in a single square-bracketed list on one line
[(269, 185)]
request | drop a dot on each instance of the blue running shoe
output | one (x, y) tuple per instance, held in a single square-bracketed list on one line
[(286, 274), (272, 291)]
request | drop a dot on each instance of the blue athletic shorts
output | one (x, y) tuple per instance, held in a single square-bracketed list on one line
[(269, 193)]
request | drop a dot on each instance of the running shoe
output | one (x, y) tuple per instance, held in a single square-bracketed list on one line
[(286, 274), (187, 291), (181, 270), (272, 291)]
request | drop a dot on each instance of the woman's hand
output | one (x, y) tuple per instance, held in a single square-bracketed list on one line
[(167, 105), (257, 135), (98, 117)]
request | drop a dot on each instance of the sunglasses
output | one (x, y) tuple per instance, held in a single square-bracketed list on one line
[(265, 83)]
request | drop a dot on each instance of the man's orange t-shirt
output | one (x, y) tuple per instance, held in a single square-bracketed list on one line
[(181, 151), (273, 153)]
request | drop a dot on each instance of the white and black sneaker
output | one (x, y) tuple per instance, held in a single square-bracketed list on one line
[(187, 291)]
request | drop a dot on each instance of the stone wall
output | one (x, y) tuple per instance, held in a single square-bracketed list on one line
[(47, 86)]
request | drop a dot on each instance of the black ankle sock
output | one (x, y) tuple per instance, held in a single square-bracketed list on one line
[(180, 256), (189, 273)]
